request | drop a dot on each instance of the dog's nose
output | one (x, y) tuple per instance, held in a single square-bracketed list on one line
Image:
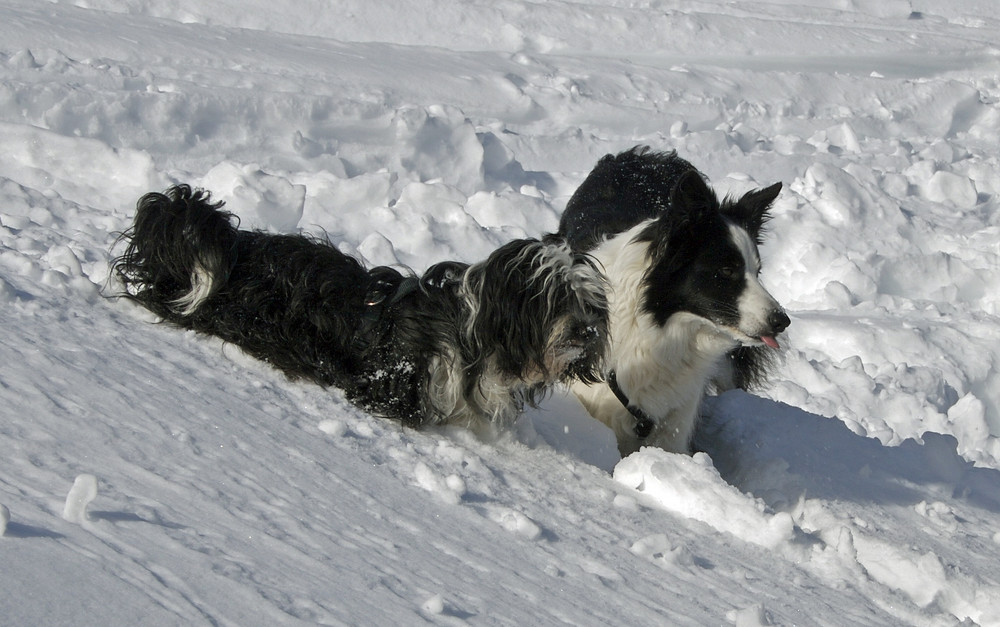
[(778, 320)]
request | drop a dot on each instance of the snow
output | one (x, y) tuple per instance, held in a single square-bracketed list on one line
[(153, 476), (83, 492)]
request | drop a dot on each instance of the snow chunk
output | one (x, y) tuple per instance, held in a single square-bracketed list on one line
[(753, 616), (4, 519), (439, 142), (948, 187), (261, 199), (450, 489), (336, 428), (434, 605), (968, 419), (519, 524), (516, 213), (844, 137), (658, 549), (84, 491), (692, 487), (80, 169)]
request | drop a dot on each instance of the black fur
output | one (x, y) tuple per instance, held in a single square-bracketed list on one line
[(421, 350), (621, 191)]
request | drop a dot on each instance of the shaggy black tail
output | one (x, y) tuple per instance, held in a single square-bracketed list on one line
[(180, 250)]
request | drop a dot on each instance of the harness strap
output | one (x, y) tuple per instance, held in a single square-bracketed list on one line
[(380, 295), (643, 423)]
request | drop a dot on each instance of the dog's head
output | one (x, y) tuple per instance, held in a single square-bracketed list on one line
[(539, 313), (704, 261)]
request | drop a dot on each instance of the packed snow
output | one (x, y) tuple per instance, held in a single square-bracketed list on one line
[(154, 476)]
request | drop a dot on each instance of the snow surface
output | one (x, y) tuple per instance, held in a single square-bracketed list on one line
[(152, 476)]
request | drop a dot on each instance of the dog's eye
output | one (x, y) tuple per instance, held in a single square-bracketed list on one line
[(728, 273)]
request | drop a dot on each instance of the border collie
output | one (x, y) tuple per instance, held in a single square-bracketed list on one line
[(687, 306), (462, 344)]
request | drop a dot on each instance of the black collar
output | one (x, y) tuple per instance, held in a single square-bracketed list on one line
[(643, 423)]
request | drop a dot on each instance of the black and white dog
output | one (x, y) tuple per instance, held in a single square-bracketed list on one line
[(687, 307), (463, 344)]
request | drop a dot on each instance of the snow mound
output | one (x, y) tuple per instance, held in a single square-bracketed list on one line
[(692, 488)]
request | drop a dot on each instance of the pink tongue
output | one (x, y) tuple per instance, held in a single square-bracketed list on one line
[(770, 341)]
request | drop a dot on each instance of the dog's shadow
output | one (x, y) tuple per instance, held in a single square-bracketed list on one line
[(20, 530), (778, 453), (759, 445), (562, 423)]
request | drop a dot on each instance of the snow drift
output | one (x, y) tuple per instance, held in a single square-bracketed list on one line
[(151, 475)]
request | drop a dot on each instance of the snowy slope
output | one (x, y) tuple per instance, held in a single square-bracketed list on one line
[(861, 488)]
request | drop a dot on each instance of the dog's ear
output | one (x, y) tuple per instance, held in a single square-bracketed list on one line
[(751, 210), (692, 194), (690, 200), (692, 203), (509, 323)]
